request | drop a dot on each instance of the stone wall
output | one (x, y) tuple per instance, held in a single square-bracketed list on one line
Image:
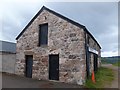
[(92, 44), (64, 39), (91, 63)]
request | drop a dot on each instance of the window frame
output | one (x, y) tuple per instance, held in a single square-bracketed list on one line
[(39, 35)]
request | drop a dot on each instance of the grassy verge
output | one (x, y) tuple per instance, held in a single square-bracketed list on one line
[(117, 64), (104, 76)]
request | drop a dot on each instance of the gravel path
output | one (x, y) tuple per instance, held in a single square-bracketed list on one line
[(116, 71)]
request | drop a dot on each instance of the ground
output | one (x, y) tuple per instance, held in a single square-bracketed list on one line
[(116, 70), (0, 81), (13, 81)]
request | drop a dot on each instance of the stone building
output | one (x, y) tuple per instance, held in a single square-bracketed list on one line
[(7, 56), (53, 47)]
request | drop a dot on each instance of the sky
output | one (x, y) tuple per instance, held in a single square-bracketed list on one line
[(100, 18)]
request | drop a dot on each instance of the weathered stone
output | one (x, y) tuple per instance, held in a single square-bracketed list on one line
[(74, 39), (22, 61), (36, 68), (64, 39), (72, 56), (75, 69), (72, 34)]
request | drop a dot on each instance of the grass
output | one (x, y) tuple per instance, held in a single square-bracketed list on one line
[(102, 77), (117, 64), (103, 62)]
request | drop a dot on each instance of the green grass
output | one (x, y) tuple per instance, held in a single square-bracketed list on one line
[(104, 76), (103, 62), (117, 64)]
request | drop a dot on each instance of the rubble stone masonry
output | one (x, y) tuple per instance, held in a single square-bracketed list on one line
[(64, 39)]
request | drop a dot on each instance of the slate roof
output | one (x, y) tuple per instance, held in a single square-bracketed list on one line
[(8, 47), (59, 15)]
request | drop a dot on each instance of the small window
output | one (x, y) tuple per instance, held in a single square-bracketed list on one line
[(88, 38), (43, 34)]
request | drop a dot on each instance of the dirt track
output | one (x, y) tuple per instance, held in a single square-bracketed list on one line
[(116, 71), (13, 81)]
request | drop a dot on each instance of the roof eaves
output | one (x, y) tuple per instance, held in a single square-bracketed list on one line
[(30, 22), (7, 52), (91, 36), (65, 18)]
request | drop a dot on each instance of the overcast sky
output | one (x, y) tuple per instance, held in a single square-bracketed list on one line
[(100, 18)]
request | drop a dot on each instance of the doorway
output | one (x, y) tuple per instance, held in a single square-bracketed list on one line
[(29, 64), (95, 62), (87, 62), (54, 67)]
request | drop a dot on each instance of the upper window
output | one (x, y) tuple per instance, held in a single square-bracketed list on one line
[(43, 34), (88, 38)]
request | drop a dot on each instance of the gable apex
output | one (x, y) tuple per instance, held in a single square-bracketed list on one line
[(59, 15), (30, 22), (53, 12)]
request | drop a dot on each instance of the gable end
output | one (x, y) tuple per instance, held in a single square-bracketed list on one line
[(59, 15)]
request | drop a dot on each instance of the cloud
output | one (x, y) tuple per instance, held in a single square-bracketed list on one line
[(109, 39), (99, 18), (15, 16), (109, 53)]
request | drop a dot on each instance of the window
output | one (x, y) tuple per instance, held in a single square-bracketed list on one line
[(43, 34), (88, 39)]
